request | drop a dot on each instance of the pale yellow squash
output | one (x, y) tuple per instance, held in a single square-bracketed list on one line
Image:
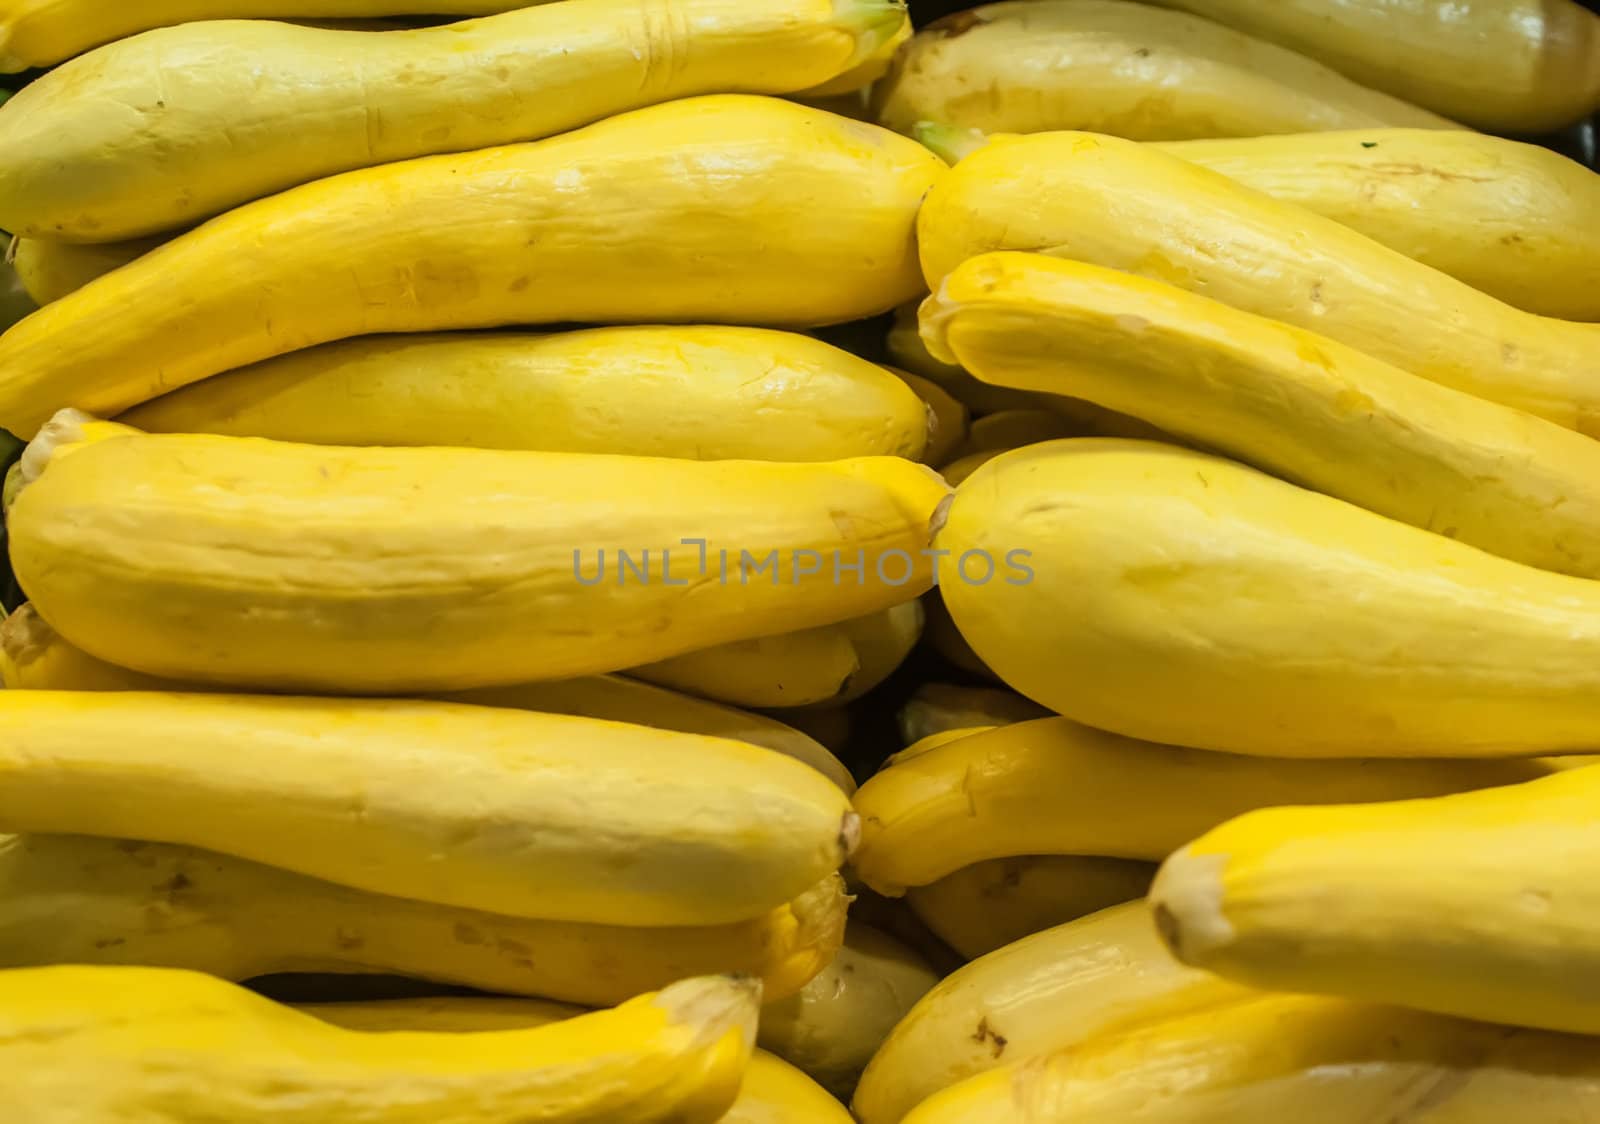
[(1122, 68), (390, 571), (83, 900), (1518, 66), (728, 209), (533, 815), (1059, 989), (1264, 618), (834, 1025), (1054, 787), (1482, 905), (1513, 220), (1297, 404), (704, 393), (137, 1045), (1135, 208), (51, 270), (988, 905), (210, 115)]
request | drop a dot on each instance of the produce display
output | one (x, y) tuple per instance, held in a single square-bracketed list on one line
[(800, 561)]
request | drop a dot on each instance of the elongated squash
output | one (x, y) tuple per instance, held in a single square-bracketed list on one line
[(217, 114), (908, 352), (1132, 207), (1480, 905), (774, 1092), (1508, 218), (988, 905), (1053, 787), (947, 416), (117, 1045), (1520, 66), (51, 270), (1297, 404), (704, 393), (934, 708), (1290, 1057), (533, 815), (84, 900), (1062, 988), (34, 656), (1120, 68), (730, 209), (1266, 618), (388, 571)]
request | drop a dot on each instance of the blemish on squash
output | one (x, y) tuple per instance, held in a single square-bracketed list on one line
[(466, 934), (986, 1034), (347, 940)]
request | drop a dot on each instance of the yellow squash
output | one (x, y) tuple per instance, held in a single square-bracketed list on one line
[(908, 352), (1517, 66), (1292, 402), (774, 1092), (941, 633), (947, 416), (215, 114), (389, 571), (33, 656), (830, 726), (990, 904), (937, 707), (533, 815), (830, 665), (1481, 905), (731, 209), (51, 270), (1012, 429), (1511, 219), (1119, 68), (1135, 208), (703, 393), (82, 900), (1292, 1058), (1056, 990), (1053, 787), (1182, 598), (138, 1045)]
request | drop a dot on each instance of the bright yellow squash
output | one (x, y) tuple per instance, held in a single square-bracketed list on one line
[(988, 905), (1482, 905), (1120, 68), (1056, 990), (386, 571), (139, 1045), (727, 209), (51, 270), (533, 815), (1515, 66), (704, 393), (1289, 401), (1134, 208), (1262, 617), (774, 1092), (1054, 787), (1291, 1058), (1510, 219), (212, 115), (78, 899)]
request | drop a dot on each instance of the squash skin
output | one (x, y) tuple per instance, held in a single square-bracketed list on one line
[(51, 270), (1107, 66), (132, 1045), (1291, 402), (702, 393), (532, 815), (212, 115), (1357, 636), (1131, 207), (1290, 1057), (1510, 66), (1510, 219), (648, 217), (84, 900), (1476, 905), (392, 571), (1054, 787)]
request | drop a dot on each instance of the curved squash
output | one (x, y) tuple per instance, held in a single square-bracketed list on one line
[(532, 233), (212, 115), (1126, 69), (51, 270), (1265, 618), (1132, 207)]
